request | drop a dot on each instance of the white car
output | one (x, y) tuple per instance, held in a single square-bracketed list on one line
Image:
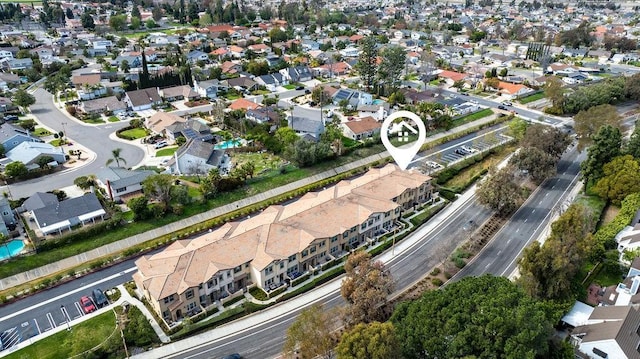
[(469, 149), (433, 165)]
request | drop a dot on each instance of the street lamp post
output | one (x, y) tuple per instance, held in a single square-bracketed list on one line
[(66, 315), (64, 132)]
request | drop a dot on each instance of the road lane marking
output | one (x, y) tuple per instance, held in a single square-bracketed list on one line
[(525, 220), (533, 211), (19, 312), (51, 321)]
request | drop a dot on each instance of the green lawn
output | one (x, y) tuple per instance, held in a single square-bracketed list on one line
[(41, 132), (134, 133), (534, 97), (232, 96), (290, 87), (169, 151), (55, 142), (472, 117), (113, 119), (260, 92), (66, 344), (262, 161)]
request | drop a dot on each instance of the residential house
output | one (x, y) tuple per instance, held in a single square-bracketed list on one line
[(297, 74), (29, 152), (236, 52), (144, 99), (177, 93), (452, 77), (109, 104), (190, 129), (624, 293), (260, 49), (230, 68), (263, 115), (241, 83), (378, 111), (307, 128), (243, 104), (62, 216), (353, 97), (279, 244), (329, 70), (121, 183), (196, 55), (361, 128), (209, 88), (11, 136), (199, 157), (610, 332), (272, 81), (8, 219), (17, 64), (515, 90), (159, 122), (6, 105), (88, 86)]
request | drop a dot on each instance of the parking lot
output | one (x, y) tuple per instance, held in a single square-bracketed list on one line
[(43, 319), (444, 157)]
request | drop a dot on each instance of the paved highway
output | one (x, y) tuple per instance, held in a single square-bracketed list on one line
[(499, 256), (94, 137)]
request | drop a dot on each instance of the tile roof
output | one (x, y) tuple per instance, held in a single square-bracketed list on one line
[(363, 125), (86, 79), (243, 104), (276, 233)]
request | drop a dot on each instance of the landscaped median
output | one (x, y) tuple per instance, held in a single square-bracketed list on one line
[(116, 233)]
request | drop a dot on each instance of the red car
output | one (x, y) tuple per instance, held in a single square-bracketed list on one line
[(87, 305)]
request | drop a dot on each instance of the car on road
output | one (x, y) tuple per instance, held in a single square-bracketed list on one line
[(507, 103), (300, 88), (464, 94), (87, 305), (500, 107), (233, 356), (99, 298)]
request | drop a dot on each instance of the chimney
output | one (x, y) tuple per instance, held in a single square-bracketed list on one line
[(634, 285)]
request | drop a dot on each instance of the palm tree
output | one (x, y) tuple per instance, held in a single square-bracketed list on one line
[(115, 153)]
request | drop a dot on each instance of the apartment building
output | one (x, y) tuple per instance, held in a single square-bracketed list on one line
[(279, 244)]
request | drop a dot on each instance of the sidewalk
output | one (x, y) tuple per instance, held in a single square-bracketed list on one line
[(123, 244)]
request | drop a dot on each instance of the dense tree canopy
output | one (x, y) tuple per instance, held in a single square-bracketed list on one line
[(589, 122), (608, 91), (482, 317), (606, 145), (365, 288), (310, 335), (538, 164), (547, 271), (621, 177), (550, 140), (369, 341), (500, 191)]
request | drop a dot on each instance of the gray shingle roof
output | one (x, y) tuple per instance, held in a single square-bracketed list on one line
[(304, 124), (120, 177), (39, 200), (203, 150), (67, 209)]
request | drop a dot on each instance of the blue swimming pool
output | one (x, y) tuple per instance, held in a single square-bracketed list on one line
[(11, 249), (229, 144), (377, 102)]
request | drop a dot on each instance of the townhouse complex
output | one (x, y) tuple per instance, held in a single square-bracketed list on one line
[(279, 244)]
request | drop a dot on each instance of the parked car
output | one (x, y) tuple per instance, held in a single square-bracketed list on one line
[(433, 165), (160, 144), (11, 118), (507, 103), (500, 107), (99, 298), (300, 88), (469, 149), (87, 305), (461, 151)]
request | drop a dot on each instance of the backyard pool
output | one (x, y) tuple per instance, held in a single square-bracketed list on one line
[(11, 249), (229, 144), (377, 102)]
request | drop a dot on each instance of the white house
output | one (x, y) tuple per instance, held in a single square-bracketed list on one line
[(610, 332)]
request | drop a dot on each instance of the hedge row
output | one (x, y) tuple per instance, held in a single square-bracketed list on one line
[(605, 236)]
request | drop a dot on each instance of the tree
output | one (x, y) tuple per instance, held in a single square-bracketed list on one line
[(606, 145), (632, 87), (209, 184), (124, 66), (55, 83), (69, 13), (150, 24), (156, 13), (115, 156), (538, 164), (306, 153), (476, 317), (16, 169), (87, 21), (367, 61), (135, 23), (84, 182), (365, 288), (550, 140), (390, 70), (139, 207), (310, 335), (589, 122), (500, 191), (118, 22), (632, 147), (277, 35), (135, 11), (43, 162), (548, 271), (23, 99), (248, 169), (554, 91), (620, 178), (158, 188), (369, 341)]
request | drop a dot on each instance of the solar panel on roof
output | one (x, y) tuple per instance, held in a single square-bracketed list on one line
[(189, 133)]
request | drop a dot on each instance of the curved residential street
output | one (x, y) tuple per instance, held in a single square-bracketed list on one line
[(94, 137)]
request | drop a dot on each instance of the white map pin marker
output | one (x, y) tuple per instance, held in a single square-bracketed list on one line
[(403, 155)]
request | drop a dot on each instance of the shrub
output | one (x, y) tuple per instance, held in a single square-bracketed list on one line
[(436, 281), (435, 271)]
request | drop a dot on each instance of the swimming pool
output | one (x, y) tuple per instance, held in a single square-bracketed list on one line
[(377, 102), (228, 144), (11, 249)]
